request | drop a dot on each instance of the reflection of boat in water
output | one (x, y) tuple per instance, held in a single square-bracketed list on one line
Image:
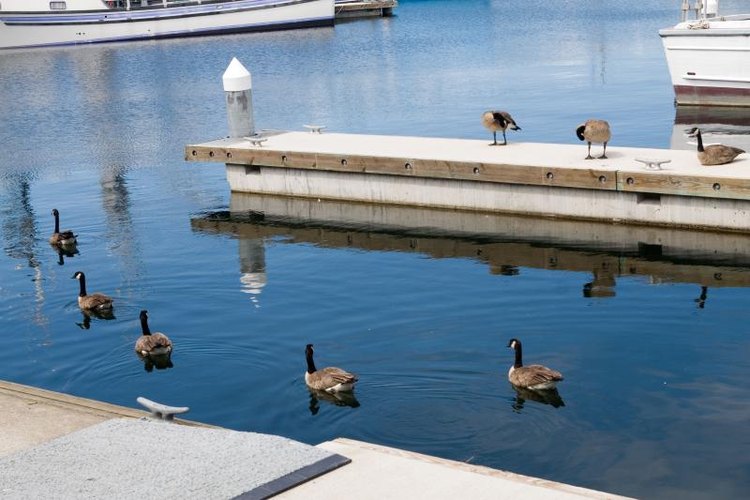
[(334, 398), (724, 125), (507, 244), (707, 56), (36, 23), (548, 397)]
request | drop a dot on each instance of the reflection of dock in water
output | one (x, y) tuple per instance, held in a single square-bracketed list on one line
[(505, 243)]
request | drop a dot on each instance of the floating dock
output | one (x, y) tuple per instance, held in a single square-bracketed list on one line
[(657, 187), (364, 8)]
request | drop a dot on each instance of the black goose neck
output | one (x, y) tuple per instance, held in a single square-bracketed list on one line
[(82, 281), (310, 362), (144, 325), (57, 222), (700, 141), (519, 361), (579, 132)]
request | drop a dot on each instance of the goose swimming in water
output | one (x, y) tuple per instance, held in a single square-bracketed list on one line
[(97, 302), (534, 377), (330, 379), (597, 132), (498, 120), (61, 238), (151, 344), (714, 154)]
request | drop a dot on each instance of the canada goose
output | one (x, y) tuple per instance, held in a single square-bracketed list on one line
[(94, 302), (151, 344), (715, 154), (330, 379), (498, 120), (58, 238), (534, 377), (595, 131)]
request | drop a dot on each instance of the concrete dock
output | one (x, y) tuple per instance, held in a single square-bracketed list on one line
[(548, 180), (49, 441)]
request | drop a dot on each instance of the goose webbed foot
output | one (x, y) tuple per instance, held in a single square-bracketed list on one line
[(603, 157), (589, 157)]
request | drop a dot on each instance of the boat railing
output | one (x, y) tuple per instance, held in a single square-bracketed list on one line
[(702, 9), (151, 4)]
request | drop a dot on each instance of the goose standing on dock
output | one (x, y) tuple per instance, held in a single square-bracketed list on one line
[(151, 344), (534, 377), (96, 302), (498, 120), (330, 379), (714, 154), (61, 238), (597, 132)]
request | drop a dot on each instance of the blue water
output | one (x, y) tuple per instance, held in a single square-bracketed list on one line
[(655, 396)]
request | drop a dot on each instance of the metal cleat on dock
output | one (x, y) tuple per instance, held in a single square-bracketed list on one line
[(652, 164), (161, 411), (315, 129), (256, 140)]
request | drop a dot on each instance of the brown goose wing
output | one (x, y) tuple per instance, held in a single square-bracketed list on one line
[(532, 375), (504, 117), (597, 131), (338, 375), (147, 343), (97, 301)]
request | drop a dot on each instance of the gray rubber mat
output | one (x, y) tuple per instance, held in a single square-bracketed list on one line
[(129, 458)]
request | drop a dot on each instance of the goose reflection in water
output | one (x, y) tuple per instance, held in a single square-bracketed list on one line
[(547, 397), (85, 324), (334, 398), (158, 361), (701, 300), (64, 252)]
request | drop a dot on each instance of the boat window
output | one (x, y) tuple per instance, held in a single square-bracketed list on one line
[(57, 6)]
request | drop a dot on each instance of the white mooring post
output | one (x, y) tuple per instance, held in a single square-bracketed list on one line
[(239, 96)]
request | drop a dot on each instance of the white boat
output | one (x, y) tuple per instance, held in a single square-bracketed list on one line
[(38, 23), (709, 56)]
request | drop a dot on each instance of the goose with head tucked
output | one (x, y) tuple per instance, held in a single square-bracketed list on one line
[(97, 302), (495, 121), (330, 379), (151, 344), (63, 239), (714, 154), (597, 132), (534, 377)]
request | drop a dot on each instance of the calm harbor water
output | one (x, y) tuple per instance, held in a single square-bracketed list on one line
[(648, 326)]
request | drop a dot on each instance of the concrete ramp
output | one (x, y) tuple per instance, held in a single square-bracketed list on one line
[(131, 458)]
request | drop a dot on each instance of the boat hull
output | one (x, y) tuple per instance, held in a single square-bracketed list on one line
[(30, 29), (709, 66)]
